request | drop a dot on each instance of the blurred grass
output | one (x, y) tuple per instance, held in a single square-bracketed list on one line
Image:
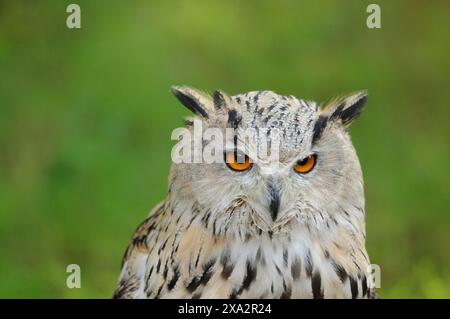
[(86, 116)]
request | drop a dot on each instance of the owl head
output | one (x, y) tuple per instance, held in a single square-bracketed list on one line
[(314, 180)]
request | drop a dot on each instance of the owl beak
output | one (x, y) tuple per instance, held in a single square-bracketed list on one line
[(274, 193)]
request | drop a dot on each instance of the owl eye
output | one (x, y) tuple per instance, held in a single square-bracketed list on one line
[(238, 161), (305, 165)]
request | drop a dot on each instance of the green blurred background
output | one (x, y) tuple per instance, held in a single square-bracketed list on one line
[(86, 117)]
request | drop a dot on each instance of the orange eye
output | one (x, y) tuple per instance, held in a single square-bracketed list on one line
[(306, 165), (237, 161)]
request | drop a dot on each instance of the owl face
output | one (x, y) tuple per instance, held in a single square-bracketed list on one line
[(306, 174)]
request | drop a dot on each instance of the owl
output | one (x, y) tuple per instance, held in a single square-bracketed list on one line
[(292, 226)]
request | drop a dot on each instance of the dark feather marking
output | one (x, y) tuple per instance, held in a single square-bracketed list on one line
[(151, 271), (233, 118), (198, 256), (260, 112), (364, 285), (308, 264), (355, 263), (334, 220), (173, 245), (173, 281), (285, 257), (353, 287), (287, 292), (278, 270), (250, 275), (256, 97), (316, 285), (207, 272), (219, 100), (158, 266), (270, 108), (196, 295), (227, 266), (193, 285), (166, 270), (340, 271), (372, 294), (203, 279), (234, 294), (214, 228), (296, 268), (126, 288), (163, 245), (364, 255), (159, 291), (319, 126), (206, 218), (192, 219)]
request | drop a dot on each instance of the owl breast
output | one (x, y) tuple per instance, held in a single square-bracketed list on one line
[(194, 263)]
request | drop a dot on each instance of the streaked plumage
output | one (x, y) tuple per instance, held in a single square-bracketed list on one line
[(216, 235)]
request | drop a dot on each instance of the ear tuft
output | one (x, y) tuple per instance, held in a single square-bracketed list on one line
[(343, 110), (196, 101), (349, 108)]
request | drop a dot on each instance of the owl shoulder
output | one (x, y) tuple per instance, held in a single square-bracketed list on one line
[(135, 255)]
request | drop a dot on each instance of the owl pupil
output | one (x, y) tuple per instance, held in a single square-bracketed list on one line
[(303, 161)]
